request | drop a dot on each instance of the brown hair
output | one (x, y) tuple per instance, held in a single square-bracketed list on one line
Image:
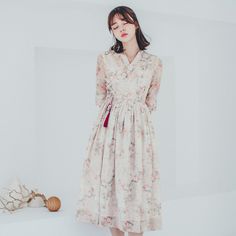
[(129, 16)]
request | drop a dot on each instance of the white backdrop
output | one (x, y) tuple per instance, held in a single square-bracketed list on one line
[(47, 92)]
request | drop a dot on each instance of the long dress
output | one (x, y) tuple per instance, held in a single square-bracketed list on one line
[(120, 181)]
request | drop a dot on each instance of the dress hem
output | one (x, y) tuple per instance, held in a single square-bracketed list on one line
[(124, 225)]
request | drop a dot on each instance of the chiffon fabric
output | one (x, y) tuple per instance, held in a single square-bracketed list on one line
[(120, 180)]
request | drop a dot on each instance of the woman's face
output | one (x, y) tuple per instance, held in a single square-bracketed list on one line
[(122, 30)]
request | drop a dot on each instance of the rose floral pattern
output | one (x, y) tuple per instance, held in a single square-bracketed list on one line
[(120, 181)]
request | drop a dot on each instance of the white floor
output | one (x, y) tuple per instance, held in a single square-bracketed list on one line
[(213, 215)]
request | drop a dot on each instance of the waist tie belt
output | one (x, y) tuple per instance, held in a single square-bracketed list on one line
[(108, 108), (105, 124)]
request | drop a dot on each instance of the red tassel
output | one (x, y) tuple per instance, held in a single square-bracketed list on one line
[(105, 124), (106, 120)]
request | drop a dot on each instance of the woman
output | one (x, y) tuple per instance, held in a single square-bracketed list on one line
[(120, 187)]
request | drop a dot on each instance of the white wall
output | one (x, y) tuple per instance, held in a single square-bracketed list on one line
[(47, 61)]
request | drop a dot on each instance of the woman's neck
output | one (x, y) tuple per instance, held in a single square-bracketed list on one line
[(131, 48)]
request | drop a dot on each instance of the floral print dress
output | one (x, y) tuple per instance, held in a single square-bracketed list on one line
[(120, 181)]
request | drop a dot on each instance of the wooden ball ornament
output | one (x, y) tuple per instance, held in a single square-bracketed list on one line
[(53, 203)]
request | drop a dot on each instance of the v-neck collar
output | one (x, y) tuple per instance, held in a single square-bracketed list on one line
[(126, 60)]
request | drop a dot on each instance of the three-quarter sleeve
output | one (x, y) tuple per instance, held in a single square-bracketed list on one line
[(151, 98), (100, 81)]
